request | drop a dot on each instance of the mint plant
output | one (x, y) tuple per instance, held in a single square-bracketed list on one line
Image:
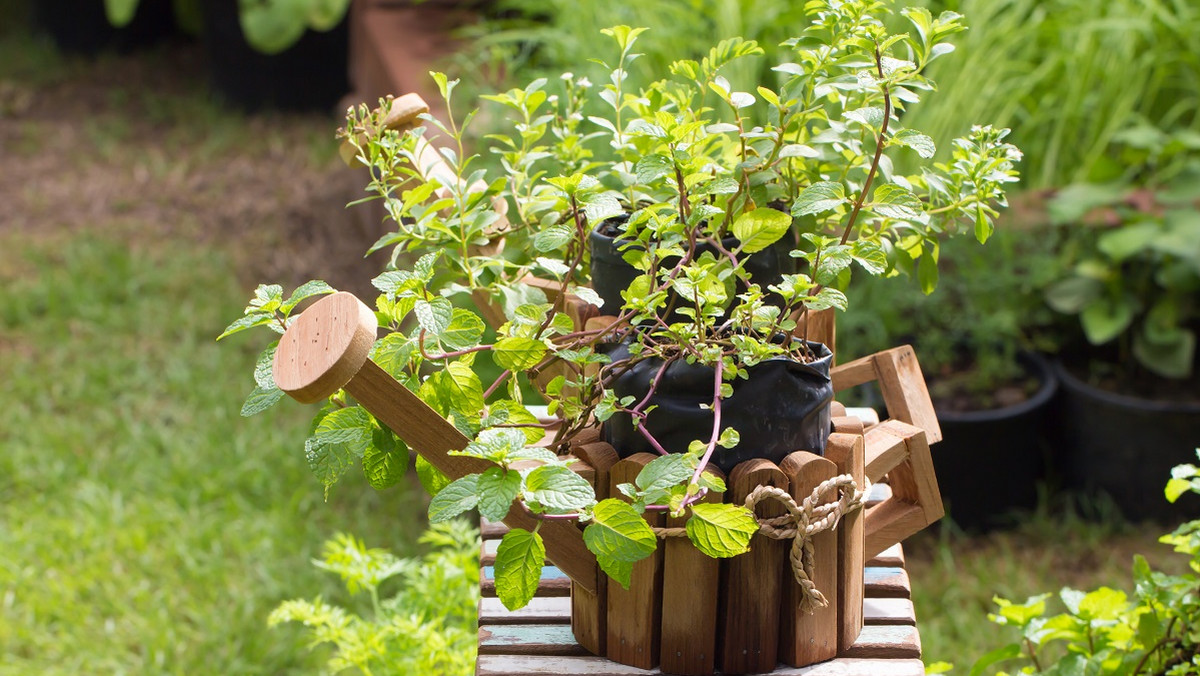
[(1105, 631), (691, 163)]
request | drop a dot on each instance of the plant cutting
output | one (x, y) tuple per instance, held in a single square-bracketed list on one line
[(693, 162)]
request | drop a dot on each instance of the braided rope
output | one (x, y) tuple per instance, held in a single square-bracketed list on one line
[(815, 514)]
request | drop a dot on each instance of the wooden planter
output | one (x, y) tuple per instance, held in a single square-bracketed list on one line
[(683, 611)]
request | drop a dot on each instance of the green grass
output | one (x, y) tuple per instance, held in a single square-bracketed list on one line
[(145, 527)]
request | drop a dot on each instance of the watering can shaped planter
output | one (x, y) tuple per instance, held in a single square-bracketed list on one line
[(744, 612)]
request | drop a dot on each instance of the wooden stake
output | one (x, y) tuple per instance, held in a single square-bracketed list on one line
[(806, 639), (690, 595), (753, 582), (635, 614), (326, 349), (846, 451)]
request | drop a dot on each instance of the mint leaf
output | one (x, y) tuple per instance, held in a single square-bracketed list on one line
[(721, 530), (328, 462), (385, 460), (558, 488), (247, 322), (462, 389), (434, 315), (497, 489), (870, 116), (305, 291), (260, 400), (351, 427), (264, 368), (432, 480), (618, 535), (665, 471), (911, 138), (464, 331), (553, 238), (519, 561), (393, 353), (819, 197), (894, 201), (454, 499), (517, 353), (760, 228)]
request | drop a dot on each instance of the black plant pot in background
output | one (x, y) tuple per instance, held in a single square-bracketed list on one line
[(611, 274), (990, 462), (783, 407), (1125, 447), (81, 26), (309, 75)]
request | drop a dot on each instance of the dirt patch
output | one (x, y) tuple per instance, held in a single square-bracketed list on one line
[(137, 147)]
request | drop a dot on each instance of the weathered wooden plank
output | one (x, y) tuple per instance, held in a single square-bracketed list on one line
[(878, 493), (891, 557), (869, 416), (887, 583), (886, 642), (889, 611), (528, 639), (491, 530), (754, 581), (553, 583), (589, 617), (541, 610), (528, 665), (557, 610), (635, 614), (846, 451), (809, 638), (690, 592)]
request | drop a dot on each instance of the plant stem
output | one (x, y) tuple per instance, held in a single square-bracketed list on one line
[(879, 140), (718, 376)]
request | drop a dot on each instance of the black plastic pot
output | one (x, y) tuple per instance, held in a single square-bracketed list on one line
[(1125, 447), (990, 462), (611, 274), (782, 407), (81, 26), (310, 75)]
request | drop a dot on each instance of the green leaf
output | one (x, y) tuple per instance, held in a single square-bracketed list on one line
[(870, 256), (328, 462), (558, 488), (1071, 295), (553, 237), (351, 427), (517, 353), (870, 116), (393, 353), (1106, 319), (497, 488), (305, 291), (665, 471), (1103, 604), (652, 167), (911, 138), (760, 228), (260, 400), (462, 387), (432, 479), (434, 315), (246, 322), (454, 499), (1175, 488), (894, 201), (721, 530), (269, 28), (618, 535), (264, 367), (819, 197), (464, 331), (385, 460), (120, 12), (519, 561), (927, 273), (1008, 652), (1019, 614)]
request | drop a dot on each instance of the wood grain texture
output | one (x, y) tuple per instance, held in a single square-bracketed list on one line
[(846, 452), (541, 610), (818, 327), (753, 582), (882, 452), (892, 556), (808, 638), (887, 583), (888, 611), (553, 582), (904, 391), (844, 424), (884, 641), (635, 614), (531, 665), (589, 609), (691, 590), (324, 347), (528, 639)]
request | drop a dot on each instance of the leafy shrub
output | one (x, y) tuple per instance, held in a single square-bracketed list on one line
[(1106, 632), (427, 627)]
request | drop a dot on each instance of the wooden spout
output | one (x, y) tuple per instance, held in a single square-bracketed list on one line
[(326, 349)]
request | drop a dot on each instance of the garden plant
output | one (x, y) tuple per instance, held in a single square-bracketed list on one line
[(702, 178)]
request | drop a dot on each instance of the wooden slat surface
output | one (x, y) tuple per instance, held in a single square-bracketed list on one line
[(541, 665)]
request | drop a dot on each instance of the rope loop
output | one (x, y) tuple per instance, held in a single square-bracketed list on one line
[(820, 511)]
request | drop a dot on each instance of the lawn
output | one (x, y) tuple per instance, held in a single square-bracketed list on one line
[(146, 528)]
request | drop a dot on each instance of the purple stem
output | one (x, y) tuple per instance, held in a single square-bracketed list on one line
[(716, 428)]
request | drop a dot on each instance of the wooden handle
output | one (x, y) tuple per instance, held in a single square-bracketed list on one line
[(900, 382), (326, 349)]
